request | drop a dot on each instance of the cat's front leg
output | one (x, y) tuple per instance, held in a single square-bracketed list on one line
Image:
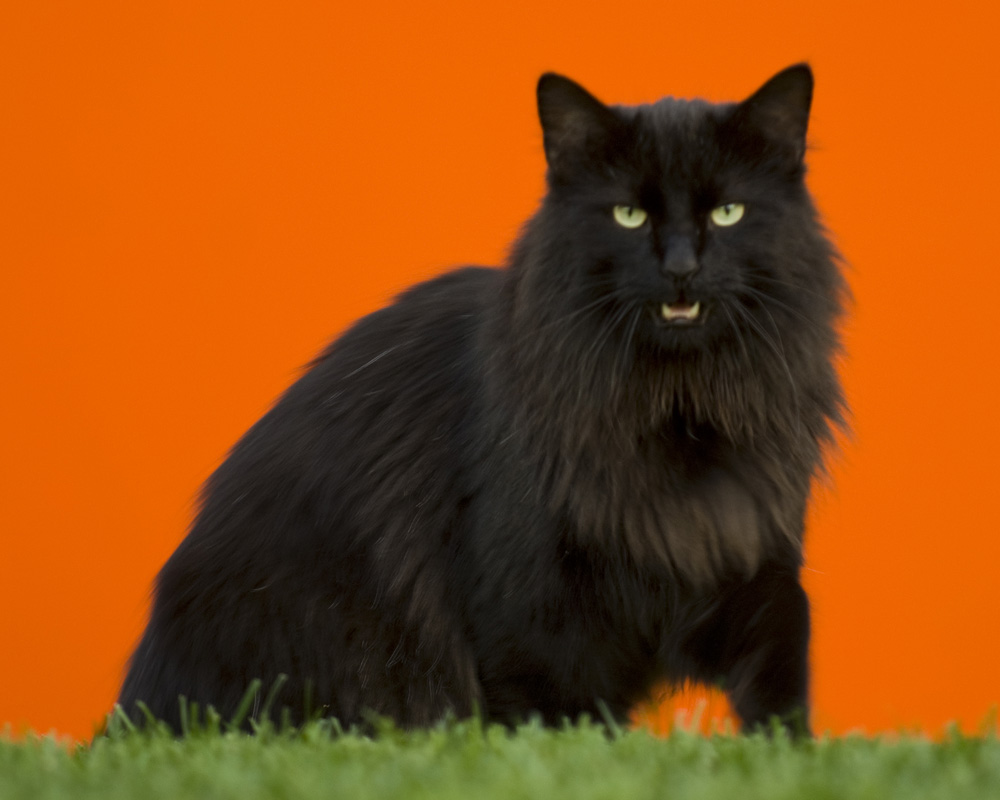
[(763, 651)]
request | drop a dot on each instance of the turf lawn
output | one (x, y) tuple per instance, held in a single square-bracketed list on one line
[(464, 760)]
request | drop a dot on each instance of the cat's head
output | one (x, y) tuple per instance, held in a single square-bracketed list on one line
[(678, 245), (695, 212)]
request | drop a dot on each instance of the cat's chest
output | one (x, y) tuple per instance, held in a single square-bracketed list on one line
[(689, 504)]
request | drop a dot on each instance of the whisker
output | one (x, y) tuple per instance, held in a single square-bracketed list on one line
[(796, 288), (626, 345), (588, 363), (562, 320), (736, 330), (779, 351), (579, 315), (605, 336), (580, 319), (762, 296)]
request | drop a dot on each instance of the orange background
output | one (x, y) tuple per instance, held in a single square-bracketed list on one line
[(195, 196)]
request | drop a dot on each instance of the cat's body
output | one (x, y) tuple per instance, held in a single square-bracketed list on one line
[(547, 487)]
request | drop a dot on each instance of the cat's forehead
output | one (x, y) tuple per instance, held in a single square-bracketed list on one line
[(676, 116), (678, 127), (680, 138)]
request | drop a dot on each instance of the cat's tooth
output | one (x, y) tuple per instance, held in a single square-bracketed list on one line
[(690, 312)]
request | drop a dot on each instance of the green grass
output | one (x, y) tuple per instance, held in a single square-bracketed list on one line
[(465, 761)]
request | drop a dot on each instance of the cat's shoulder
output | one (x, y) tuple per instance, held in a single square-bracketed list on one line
[(464, 285), (436, 307), (429, 330)]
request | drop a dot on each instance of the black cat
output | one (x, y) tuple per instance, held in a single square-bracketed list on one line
[(544, 488)]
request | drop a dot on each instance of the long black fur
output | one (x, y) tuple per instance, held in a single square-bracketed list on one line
[(521, 491)]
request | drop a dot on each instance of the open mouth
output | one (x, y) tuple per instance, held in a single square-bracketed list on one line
[(681, 313)]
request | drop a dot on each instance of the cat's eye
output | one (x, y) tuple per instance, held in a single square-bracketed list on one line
[(629, 216), (729, 214)]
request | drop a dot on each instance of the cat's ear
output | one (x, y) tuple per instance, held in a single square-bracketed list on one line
[(576, 126), (779, 110)]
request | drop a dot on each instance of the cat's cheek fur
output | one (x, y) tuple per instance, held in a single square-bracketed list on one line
[(512, 490)]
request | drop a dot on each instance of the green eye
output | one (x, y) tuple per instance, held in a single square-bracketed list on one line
[(729, 214), (630, 216)]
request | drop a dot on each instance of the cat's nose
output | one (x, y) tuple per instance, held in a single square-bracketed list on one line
[(680, 259)]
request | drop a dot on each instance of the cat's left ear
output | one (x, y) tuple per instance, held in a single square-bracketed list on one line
[(779, 110), (577, 127)]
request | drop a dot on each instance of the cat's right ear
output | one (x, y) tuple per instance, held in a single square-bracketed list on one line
[(779, 111), (577, 128)]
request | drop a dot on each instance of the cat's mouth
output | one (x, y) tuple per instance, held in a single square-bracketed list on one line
[(682, 313)]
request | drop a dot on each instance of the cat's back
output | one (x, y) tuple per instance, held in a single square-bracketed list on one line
[(408, 349), (376, 428), (341, 500)]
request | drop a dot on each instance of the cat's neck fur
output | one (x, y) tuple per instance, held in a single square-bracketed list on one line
[(649, 449)]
